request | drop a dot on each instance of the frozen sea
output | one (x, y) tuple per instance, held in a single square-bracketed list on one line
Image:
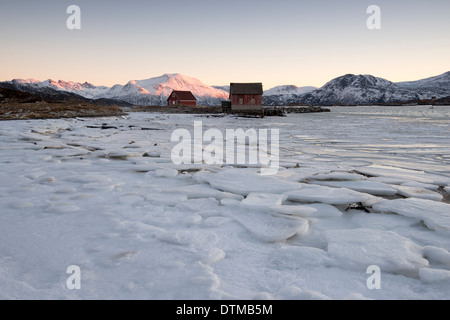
[(357, 187)]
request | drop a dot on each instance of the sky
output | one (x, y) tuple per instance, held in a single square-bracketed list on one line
[(303, 43)]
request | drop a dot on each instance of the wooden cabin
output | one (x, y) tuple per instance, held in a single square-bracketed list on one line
[(182, 98), (246, 96)]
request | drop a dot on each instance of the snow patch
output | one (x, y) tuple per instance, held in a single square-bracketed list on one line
[(435, 215), (358, 249)]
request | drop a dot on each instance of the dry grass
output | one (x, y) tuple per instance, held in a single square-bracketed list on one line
[(45, 110)]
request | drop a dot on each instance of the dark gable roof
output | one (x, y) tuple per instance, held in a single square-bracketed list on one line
[(184, 95), (246, 88)]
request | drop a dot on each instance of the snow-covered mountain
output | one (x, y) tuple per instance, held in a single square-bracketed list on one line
[(282, 95), (366, 89), (153, 91), (358, 89), (288, 90), (225, 88), (85, 90), (438, 86), (363, 89), (345, 90), (441, 81)]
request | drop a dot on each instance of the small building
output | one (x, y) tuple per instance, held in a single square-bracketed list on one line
[(182, 98), (226, 106), (246, 96)]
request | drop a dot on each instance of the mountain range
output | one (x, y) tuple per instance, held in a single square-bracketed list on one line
[(345, 90), (366, 89)]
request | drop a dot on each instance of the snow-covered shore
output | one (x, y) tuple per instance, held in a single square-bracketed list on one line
[(356, 188)]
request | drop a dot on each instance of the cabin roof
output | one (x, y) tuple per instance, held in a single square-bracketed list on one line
[(183, 95), (246, 88)]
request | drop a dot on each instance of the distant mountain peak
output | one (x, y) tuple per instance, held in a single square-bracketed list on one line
[(441, 82), (288, 90), (356, 81), (175, 75), (26, 81), (353, 89)]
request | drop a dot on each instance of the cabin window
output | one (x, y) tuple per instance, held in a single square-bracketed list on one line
[(173, 95), (241, 101), (253, 102)]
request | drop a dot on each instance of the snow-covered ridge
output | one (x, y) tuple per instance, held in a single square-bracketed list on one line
[(348, 89), (366, 89), (441, 81), (85, 90), (289, 89), (141, 92)]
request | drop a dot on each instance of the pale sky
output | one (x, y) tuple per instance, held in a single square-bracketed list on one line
[(304, 43)]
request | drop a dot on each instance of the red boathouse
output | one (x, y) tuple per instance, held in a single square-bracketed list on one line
[(246, 96), (182, 98)]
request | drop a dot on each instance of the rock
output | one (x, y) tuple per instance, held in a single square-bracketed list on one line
[(153, 154)]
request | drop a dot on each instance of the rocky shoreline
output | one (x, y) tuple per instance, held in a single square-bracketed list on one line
[(16, 105), (282, 111)]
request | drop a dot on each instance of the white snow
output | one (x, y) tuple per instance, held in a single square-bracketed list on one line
[(296, 293), (339, 176), (296, 258), (359, 248), (437, 255), (418, 192), (435, 215), (199, 191), (432, 187), (267, 227), (167, 172), (434, 275), (264, 199), (322, 194), (139, 227), (407, 174), (289, 90), (244, 182), (324, 210), (370, 187)]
